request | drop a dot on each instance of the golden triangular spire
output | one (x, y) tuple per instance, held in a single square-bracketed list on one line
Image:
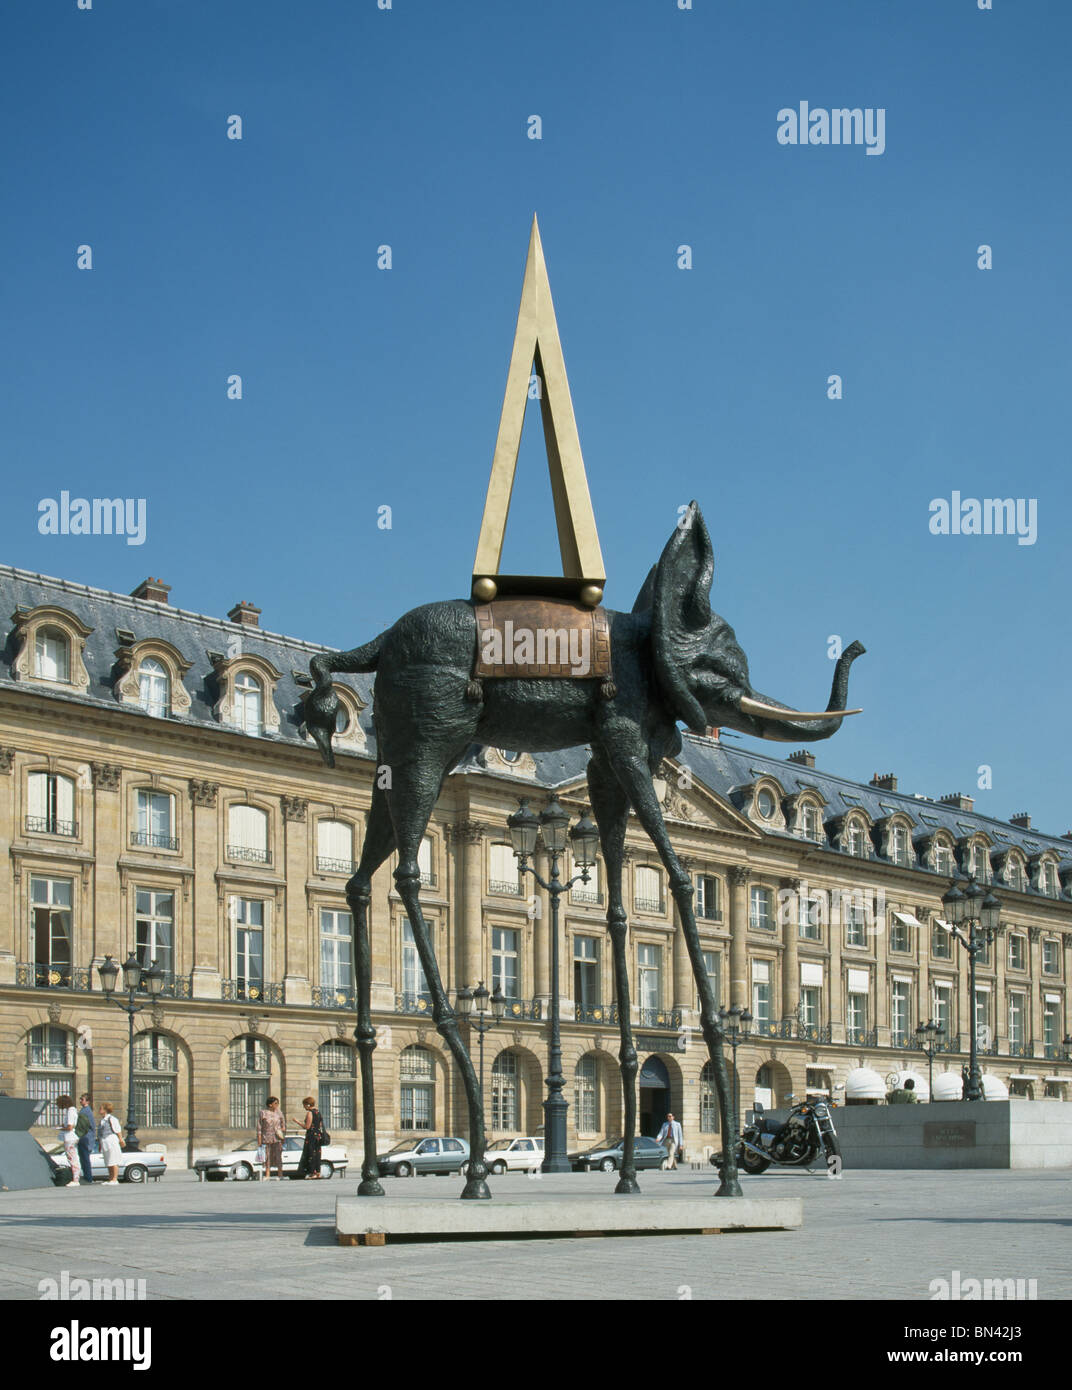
[(536, 341)]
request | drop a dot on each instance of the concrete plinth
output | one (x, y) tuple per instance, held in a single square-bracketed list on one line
[(375, 1221)]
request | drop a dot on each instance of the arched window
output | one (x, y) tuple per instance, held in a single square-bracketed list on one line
[(248, 703), (50, 804), (943, 858), (52, 655), (154, 688), (856, 839), (247, 834), (337, 1066), (811, 825), (417, 1083), (155, 1077), (250, 1061), (586, 1096), (1014, 873), (334, 847), (709, 1116), (505, 1092), (981, 862), (49, 1069)]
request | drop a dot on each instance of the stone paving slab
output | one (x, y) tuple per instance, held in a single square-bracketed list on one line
[(870, 1235)]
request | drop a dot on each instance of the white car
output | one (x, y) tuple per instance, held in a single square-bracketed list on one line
[(133, 1166), (513, 1155), (241, 1164)]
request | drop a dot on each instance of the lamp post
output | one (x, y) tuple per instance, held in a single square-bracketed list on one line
[(979, 911), (135, 978), (736, 1025), (472, 1008), (929, 1042), (553, 824)]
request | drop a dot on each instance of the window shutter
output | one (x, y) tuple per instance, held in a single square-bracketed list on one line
[(335, 840), (64, 799), (38, 794), (249, 827)]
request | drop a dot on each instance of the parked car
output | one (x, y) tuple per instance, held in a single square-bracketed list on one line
[(133, 1167), (411, 1156), (512, 1155), (607, 1157), (241, 1163)]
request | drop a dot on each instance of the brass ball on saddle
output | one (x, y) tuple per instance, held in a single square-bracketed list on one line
[(591, 594), (485, 589)]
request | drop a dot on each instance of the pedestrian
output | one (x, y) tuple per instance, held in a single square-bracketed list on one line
[(671, 1138), (905, 1094), (110, 1143), (68, 1138), (271, 1129), (86, 1130), (313, 1124)]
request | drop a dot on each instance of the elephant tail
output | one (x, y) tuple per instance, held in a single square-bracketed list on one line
[(365, 658)]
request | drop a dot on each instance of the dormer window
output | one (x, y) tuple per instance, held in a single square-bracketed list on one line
[(154, 688), (765, 803), (1014, 873), (899, 844), (981, 862), (856, 840), (248, 703), (1048, 879), (943, 859), (52, 655), (810, 824)]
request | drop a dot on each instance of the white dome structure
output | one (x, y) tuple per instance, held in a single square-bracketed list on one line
[(993, 1089), (864, 1084), (948, 1086), (922, 1090)]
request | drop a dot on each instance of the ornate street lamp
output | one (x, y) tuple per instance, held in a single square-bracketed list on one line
[(136, 977), (736, 1025), (553, 824), (929, 1042), (979, 911), (471, 1006)]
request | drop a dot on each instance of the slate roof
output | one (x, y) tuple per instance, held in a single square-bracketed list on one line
[(722, 768)]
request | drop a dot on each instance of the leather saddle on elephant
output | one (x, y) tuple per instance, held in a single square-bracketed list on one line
[(542, 638)]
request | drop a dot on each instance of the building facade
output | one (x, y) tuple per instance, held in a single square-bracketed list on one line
[(158, 794)]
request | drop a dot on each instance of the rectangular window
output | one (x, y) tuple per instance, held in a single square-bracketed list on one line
[(334, 847), (1016, 1018), (586, 993), (1051, 959), (335, 1101), (855, 920), (154, 929), (809, 1006), (856, 1016), (761, 992), (505, 961), (154, 1102), (503, 874), (247, 834), (51, 926), (248, 1098), (249, 947), (426, 863), (943, 860), (414, 982), (811, 918), (899, 844), (155, 820), (587, 892), (941, 943), (982, 1018), (1017, 953), (649, 889), (899, 936), (650, 970), (709, 897), (759, 910), (418, 1107), (899, 1019), (712, 969), (50, 804), (942, 1009), (1051, 1020), (336, 949)]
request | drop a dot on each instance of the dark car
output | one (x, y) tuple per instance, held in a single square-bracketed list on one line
[(608, 1156), (417, 1156)]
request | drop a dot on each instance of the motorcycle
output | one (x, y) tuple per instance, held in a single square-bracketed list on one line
[(796, 1142)]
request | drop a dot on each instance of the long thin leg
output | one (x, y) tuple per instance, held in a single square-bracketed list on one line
[(379, 841), (610, 806), (635, 775), (411, 801)]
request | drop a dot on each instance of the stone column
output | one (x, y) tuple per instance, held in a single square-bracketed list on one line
[(112, 924), (1036, 990), (881, 927), (1000, 1003), (791, 888), (9, 913), (205, 914), (685, 992), (739, 986), (470, 835), (835, 983), (297, 984)]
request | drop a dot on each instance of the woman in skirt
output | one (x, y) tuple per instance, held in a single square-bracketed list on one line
[(309, 1164), (109, 1132)]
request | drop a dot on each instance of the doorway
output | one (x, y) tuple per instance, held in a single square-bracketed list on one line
[(654, 1101)]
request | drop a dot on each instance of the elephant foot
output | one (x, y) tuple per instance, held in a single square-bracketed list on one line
[(626, 1185), (476, 1189), (370, 1187), (729, 1187)]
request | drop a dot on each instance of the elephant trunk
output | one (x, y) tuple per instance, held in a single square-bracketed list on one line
[(792, 726)]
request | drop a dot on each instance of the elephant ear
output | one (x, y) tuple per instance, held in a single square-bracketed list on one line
[(681, 614), (647, 593)]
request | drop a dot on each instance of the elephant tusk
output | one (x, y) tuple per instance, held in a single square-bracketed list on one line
[(758, 710)]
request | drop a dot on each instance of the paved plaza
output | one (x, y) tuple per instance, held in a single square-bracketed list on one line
[(869, 1235)]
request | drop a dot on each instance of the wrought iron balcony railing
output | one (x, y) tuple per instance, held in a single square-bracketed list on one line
[(49, 825), (581, 894), (413, 1004), (177, 987), (772, 1028), (709, 914), (1053, 1052), (597, 1013), (648, 904), (151, 839), (77, 977), (521, 1008), (334, 997), (861, 1037), (146, 1061), (1021, 1049), (255, 991), (248, 855), (660, 1018), (428, 879), (325, 865), (505, 887), (812, 1032)]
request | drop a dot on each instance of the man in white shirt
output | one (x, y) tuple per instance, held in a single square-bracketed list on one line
[(670, 1137)]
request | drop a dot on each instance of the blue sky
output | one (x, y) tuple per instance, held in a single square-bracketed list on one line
[(364, 387)]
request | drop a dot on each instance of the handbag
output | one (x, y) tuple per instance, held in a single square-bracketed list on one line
[(261, 1155), (325, 1138)]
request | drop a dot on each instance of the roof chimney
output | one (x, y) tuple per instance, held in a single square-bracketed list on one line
[(803, 757), (245, 614), (155, 590), (962, 803), (885, 781), (1022, 819)]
